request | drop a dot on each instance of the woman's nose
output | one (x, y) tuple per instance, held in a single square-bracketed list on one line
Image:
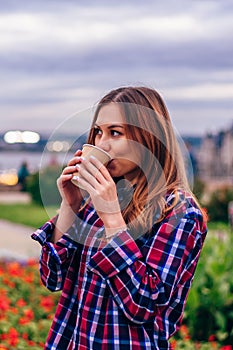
[(104, 146), (103, 143)]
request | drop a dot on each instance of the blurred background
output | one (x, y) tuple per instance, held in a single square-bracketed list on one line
[(58, 58)]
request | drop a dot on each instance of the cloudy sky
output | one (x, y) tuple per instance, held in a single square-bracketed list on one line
[(58, 57)]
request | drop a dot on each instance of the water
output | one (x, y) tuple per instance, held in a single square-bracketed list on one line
[(12, 160)]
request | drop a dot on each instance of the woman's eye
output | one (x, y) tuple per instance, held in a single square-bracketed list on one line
[(97, 131), (115, 133)]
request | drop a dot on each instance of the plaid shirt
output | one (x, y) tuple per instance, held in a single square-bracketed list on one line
[(124, 295)]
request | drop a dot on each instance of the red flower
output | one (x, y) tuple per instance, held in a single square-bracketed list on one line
[(25, 336), (13, 337), (29, 278), (8, 282), (4, 336), (23, 321), (27, 318), (31, 343), (32, 262), (173, 344), (29, 314), (21, 303), (4, 302), (184, 332), (47, 303), (14, 269), (226, 347), (212, 338), (14, 310)]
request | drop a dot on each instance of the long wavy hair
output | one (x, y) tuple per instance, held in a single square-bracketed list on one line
[(162, 170)]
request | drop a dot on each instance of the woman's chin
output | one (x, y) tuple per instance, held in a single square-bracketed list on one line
[(113, 172)]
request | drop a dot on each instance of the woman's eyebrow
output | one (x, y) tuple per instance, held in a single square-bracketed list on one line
[(111, 126)]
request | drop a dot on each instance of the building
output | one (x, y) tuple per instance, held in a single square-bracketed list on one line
[(215, 156)]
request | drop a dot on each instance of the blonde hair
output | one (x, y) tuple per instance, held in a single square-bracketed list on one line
[(162, 169)]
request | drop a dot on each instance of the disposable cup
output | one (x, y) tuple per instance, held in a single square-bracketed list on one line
[(91, 150)]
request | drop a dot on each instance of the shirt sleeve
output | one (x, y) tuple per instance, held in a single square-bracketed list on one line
[(55, 257), (141, 282)]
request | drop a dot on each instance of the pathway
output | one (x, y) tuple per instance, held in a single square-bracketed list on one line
[(15, 240)]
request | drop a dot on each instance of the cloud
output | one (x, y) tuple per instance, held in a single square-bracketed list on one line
[(59, 56)]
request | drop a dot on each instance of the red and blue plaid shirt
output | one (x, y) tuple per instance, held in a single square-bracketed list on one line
[(128, 294)]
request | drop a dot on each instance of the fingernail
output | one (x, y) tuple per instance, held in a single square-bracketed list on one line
[(76, 178), (77, 166)]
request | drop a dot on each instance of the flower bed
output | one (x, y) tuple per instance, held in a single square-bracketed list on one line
[(26, 307)]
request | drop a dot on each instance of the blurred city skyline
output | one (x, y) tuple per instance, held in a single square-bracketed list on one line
[(58, 58)]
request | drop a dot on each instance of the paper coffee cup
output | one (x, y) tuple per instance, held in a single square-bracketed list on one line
[(91, 150)]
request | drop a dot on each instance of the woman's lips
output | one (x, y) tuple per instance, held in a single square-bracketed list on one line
[(109, 164)]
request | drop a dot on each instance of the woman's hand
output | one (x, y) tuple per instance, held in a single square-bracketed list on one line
[(94, 177), (71, 194)]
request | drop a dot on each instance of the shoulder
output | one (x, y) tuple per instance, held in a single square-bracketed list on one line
[(184, 206), (184, 202)]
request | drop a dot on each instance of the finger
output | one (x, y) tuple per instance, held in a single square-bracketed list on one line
[(101, 205), (85, 185), (96, 171), (69, 169), (92, 169), (78, 152), (64, 178), (74, 161), (103, 170), (87, 176)]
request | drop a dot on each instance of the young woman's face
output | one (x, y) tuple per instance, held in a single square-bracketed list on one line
[(110, 135)]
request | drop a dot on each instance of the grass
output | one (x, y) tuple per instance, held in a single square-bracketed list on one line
[(218, 226), (27, 214), (34, 215)]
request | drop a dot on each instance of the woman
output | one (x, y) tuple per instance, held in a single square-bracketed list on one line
[(124, 250)]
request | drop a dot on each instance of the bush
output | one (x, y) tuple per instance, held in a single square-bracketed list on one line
[(218, 204), (209, 309), (32, 187), (198, 188), (43, 186)]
